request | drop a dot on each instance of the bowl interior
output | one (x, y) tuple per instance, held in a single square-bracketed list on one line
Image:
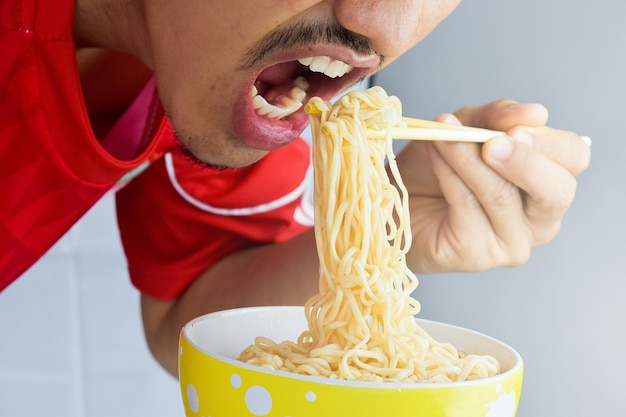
[(237, 329)]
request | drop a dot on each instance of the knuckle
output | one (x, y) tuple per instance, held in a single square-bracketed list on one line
[(505, 254), (555, 203), (470, 201), (561, 200), (547, 233), (509, 254), (502, 195), (520, 256)]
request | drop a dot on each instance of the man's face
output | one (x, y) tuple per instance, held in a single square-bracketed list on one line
[(233, 74)]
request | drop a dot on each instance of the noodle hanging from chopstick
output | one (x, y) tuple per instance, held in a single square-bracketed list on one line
[(361, 324)]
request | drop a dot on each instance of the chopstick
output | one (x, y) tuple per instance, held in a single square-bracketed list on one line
[(417, 129), (411, 121)]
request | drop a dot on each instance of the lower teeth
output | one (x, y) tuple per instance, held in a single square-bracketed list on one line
[(289, 104)]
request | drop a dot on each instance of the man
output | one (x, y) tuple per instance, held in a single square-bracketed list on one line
[(193, 111)]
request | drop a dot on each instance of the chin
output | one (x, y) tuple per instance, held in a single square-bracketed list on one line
[(221, 161)]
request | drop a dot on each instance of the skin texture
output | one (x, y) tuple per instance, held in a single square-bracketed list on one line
[(473, 207)]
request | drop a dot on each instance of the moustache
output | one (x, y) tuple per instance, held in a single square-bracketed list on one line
[(307, 33)]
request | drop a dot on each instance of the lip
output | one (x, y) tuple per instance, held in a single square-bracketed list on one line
[(261, 133)]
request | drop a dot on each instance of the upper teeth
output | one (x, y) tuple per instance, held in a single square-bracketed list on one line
[(324, 64), (290, 104)]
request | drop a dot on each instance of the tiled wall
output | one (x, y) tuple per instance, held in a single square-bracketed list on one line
[(71, 341)]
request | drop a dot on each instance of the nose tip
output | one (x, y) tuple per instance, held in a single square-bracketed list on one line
[(391, 27)]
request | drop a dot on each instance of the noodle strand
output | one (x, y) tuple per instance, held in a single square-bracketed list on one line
[(361, 324)]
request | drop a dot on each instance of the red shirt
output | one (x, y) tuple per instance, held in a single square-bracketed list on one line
[(176, 219), (53, 168)]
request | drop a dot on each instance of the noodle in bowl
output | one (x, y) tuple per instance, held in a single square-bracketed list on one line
[(356, 347), (215, 383)]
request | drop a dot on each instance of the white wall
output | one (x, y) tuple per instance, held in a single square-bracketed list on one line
[(71, 341), (565, 311)]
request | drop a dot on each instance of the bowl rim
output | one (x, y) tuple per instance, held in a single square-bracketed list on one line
[(518, 361)]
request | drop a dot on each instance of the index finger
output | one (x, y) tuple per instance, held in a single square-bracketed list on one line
[(503, 115)]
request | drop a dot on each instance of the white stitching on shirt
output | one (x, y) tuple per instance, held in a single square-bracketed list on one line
[(240, 211)]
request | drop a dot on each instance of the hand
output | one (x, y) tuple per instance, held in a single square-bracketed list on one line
[(476, 207)]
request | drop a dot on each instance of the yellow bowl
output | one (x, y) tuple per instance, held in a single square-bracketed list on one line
[(214, 384)]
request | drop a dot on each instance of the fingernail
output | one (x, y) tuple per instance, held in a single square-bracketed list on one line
[(449, 118), (500, 147), (522, 136), (587, 140)]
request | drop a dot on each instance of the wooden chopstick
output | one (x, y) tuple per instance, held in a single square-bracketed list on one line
[(422, 133), (470, 134), (410, 121), (417, 129)]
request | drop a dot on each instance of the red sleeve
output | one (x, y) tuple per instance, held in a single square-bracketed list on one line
[(177, 219)]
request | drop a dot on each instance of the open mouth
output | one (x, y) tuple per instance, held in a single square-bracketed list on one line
[(277, 95), (283, 103)]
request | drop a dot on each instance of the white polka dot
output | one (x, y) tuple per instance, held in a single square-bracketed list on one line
[(499, 388), (192, 398), (504, 407), (310, 396), (258, 400), (235, 381)]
